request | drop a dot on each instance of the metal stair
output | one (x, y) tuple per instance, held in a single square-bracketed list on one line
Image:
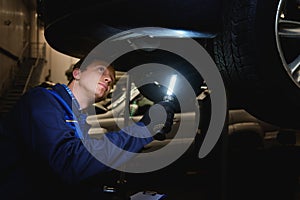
[(15, 91)]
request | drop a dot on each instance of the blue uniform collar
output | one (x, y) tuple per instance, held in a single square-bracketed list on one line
[(74, 100), (65, 92)]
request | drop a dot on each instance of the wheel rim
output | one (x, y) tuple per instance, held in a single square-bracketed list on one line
[(287, 32)]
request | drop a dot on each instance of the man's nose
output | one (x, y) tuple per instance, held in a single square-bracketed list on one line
[(107, 78)]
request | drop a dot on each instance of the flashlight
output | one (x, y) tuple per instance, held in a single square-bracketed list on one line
[(169, 97)]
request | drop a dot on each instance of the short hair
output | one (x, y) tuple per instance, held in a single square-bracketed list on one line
[(75, 66), (78, 64), (87, 60)]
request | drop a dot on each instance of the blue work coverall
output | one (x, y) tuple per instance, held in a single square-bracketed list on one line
[(49, 160)]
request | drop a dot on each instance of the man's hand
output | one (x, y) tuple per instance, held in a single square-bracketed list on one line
[(159, 119)]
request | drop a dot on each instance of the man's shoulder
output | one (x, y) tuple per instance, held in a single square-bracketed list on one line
[(44, 89), (40, 98), (37, 91), (39, 94)]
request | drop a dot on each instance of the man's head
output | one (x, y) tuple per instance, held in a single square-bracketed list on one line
[(92, 79)]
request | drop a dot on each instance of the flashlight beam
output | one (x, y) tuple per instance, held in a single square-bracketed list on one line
[(172, 84)]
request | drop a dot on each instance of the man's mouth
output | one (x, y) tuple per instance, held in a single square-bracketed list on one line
[(103, 85)]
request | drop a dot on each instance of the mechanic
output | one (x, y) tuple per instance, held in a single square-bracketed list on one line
[(50, 129)]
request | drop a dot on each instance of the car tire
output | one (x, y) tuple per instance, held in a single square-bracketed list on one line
[(253, 57)]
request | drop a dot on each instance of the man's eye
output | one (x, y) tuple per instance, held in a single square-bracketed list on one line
[(101, 69)]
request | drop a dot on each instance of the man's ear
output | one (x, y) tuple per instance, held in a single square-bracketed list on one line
[(76, 74)]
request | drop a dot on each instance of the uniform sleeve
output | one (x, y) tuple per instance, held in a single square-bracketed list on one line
[(47, 135), (114, 149)]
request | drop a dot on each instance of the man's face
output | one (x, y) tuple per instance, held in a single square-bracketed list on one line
[(97, 80)]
